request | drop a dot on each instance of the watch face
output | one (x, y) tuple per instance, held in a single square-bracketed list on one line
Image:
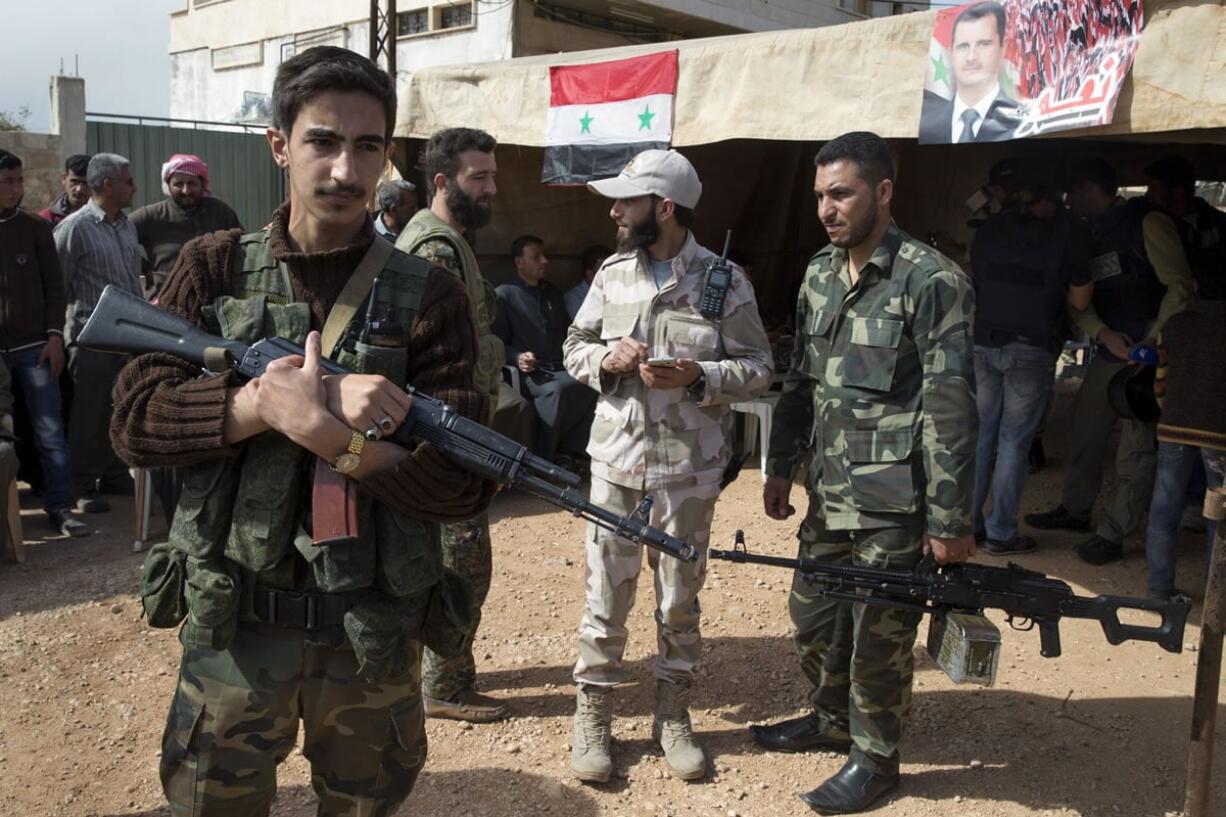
[(347, 463)]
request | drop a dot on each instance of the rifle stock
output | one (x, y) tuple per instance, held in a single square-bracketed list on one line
[(127, 324)]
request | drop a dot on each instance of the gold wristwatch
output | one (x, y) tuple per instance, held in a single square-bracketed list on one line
[(349, 461)]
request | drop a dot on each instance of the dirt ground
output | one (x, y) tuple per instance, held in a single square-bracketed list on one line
[(1099, 732)]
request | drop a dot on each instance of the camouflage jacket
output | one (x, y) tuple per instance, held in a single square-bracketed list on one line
[(880, 397), (649, 438)]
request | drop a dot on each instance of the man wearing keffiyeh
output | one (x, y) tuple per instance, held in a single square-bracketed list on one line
[(188, 210)]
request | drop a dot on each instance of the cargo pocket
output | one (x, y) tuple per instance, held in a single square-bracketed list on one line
[(814, 345), (616, 325), (389, 361), (162, 583), (404, 752), (687, 336), (871, 357), (202, 516), (403, 547), (448, 620), (180, 762), (879, 471), (375, 626), (213, 596)]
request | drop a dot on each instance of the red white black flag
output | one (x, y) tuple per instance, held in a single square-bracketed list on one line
[(603, 114)]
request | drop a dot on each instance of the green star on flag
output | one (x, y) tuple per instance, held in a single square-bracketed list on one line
[(602, 114), (940, 70), (645, 118)]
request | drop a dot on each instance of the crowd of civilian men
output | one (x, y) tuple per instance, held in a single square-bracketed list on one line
[(53, 270)]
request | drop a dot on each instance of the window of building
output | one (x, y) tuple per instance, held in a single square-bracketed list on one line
[(412, 22), (455, 16)]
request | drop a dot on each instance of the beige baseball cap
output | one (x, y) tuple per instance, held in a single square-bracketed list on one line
[(664, 173)]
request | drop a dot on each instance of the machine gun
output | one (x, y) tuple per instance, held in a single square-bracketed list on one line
[(957, 594), (126, 324)]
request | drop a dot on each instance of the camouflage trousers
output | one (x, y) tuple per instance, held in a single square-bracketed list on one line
[(467, 551), (235, 715), (857, 657), (612, 572)]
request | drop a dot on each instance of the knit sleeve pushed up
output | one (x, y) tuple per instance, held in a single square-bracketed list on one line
[(166, 413)]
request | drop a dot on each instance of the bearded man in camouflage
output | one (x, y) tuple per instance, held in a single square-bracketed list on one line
[(880, 398), (661, 432)]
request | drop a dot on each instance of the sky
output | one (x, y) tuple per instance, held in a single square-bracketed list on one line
[(121, 44)]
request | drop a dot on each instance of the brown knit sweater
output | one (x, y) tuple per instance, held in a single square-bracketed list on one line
[(167, 414)]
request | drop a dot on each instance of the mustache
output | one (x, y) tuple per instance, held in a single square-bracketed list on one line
[(357, 191)]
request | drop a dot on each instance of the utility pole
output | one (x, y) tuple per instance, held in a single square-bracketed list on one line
[(383, 34)]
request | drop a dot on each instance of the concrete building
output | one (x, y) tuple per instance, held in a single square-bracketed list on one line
[(224, 53)]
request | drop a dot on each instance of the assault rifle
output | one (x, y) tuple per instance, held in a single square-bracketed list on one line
[(127, 324), (1027, 597)]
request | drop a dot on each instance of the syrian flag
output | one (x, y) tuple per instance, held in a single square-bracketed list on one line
[(604, 114)]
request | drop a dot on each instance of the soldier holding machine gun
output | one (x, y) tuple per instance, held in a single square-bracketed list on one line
[(881, 392), (281, 626)]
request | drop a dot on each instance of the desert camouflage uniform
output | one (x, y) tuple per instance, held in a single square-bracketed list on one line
[(880, 402), (671, 445), (467, 548)]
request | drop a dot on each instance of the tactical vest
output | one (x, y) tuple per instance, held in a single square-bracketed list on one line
[(1127, 292), (491, 354), (1019, 280), (243, 518)]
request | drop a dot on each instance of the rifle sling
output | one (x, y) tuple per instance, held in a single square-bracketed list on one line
[(334, 502)]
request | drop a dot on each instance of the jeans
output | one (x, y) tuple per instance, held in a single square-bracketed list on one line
[(1012, 387), (1176, 464), (42, 394)]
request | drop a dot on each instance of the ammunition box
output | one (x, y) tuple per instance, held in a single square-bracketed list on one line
[(966, 646)]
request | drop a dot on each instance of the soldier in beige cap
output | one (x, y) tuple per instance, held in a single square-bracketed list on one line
[(661, 431)]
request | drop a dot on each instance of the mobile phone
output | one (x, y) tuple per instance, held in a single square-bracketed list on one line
[(663, 362)]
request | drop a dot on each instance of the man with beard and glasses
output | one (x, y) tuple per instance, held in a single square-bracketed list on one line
[(76, 190), (190, 209), (460, 176), (879, 404), (667, 375), (278, 631)]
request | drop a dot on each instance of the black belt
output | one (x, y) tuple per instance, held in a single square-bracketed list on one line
[(300, 611)]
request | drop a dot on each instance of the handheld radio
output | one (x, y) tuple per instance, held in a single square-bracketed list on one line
[(719, 278)]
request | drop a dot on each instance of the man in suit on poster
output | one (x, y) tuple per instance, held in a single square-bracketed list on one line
[(980, 110)]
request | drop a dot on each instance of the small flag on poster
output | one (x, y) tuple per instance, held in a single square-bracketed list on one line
[(603, 114)]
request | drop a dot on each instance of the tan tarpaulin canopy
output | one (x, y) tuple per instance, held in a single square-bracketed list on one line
[(810, 84), (753, 109)]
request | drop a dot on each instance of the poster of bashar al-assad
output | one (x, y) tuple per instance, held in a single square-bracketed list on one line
[(1004, 70)]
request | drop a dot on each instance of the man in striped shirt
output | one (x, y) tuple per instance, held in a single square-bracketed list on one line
[(97, 246)]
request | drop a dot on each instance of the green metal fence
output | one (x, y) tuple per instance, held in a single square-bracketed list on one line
[(241, 170)]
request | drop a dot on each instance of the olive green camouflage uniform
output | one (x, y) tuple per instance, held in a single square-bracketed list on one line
[(280, 629), (880, 402), (228, 730), (669, 444), (467, 548)]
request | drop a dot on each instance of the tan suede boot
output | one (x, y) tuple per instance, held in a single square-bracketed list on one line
[(590, 756), (675, 734)]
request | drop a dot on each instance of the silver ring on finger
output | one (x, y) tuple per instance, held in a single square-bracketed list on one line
[(373, 433), (386, 423)]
